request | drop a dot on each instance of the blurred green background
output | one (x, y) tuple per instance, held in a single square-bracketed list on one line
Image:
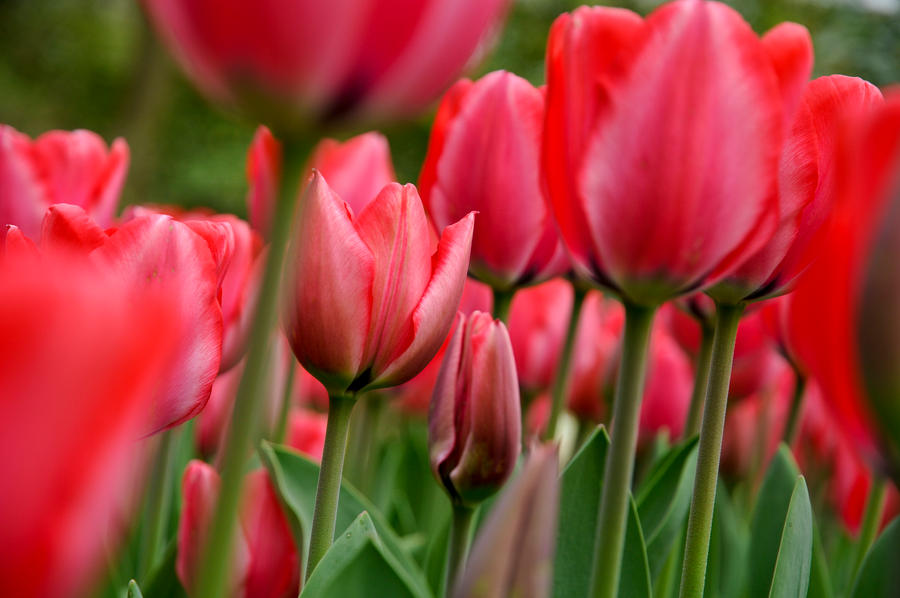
[(94, 64)]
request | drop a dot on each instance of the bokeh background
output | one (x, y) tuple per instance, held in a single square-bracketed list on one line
[(94, 64)]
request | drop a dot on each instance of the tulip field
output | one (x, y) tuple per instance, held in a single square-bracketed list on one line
[(449, 298)]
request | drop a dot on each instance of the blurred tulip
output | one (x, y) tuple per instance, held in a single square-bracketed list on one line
[(474, 423), (806, 188), (58, 167), (356, 169), (667, 393), (306, 432), (843, 316), (80, 357), (265, 562), (484, 156), (292, 61), (643, 167), (513, 554), (263, 178), (369, 301)]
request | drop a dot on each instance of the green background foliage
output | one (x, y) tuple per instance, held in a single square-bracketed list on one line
[(94, 64)]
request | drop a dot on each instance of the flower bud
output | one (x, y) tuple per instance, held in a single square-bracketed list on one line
[(474, 423)]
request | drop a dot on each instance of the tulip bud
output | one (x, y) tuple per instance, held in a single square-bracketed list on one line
[(474, 422), (513, 554)]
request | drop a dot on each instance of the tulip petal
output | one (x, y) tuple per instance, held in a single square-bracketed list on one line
[(327, 312), (263, 176), (790, 48), (68, 228), (22, 200), (358, 169), (442, 409)]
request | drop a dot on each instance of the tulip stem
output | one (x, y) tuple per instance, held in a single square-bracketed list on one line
[(868, 529), (793, 422), (245, 420), (564, 368), (696, 548), (159, 503), (701, 378), (279, 435), (502, 303), (610, 533), (460, 539), (325, 512)]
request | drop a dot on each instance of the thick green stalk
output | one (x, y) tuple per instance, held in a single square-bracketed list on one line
[(245, 418), (325, 512), (696, 549), (502, 303), (610, 535), (279, 434), (159, 504), (458, 549), (793, 422), (701, 379), (868, 529), (564, 368)]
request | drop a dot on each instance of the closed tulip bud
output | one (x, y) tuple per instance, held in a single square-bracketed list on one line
[(513, 554), (263, 178), (474, 422), (369, 300), (265, 562), (58, 167), (291, 61), (484, 155)]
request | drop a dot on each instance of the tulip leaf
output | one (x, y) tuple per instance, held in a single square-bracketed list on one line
[(725, 570), (879, 575), (580, 491), (359, 563), (295, 478), (133, 590), (820, 584), (163, 581), (781, 543), (664, 500)]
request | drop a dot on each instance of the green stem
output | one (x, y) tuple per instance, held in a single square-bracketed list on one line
[(701, 378), (564, 368), (279, 435), (325, 513), (793, 422), (868, 530), (502, 303), (610, 533), (696, 549), (245, 419), (159, 504), (460, 539)]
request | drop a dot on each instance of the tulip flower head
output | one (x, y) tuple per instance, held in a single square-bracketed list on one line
[(474, 423), (369, 300)]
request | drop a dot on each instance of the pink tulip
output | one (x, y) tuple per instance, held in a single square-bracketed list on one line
[(265, 562), (484, 156), (806, 188), (58, 167), (291, 60), (661, 167), (306, 432), (667, 393), (369, 300), (474, 423), (597, 345), (263, 176), (80, 355), (356, 169)]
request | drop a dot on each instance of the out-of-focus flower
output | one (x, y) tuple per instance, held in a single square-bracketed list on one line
[(80, 357), (369, 300), (474, 423), (263, 178), (485, 156), (289, 62), (644, 167), (597, 345), (265, 562), (58, 167), (306, 432), (667, 393)]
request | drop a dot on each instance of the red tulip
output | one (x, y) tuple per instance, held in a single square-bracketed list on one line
[(806, 188), (294, 59), (662, 141), (265, 562), (356, 169), (667, 393), (484, 156), (58, 167), (843, 317), (263, 176), (80, 355), (474, 423), (306, 432), (369, 301)]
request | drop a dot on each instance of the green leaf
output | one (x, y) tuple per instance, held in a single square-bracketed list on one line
[(579, 502), (133, 590), (879, 576), (792, 566), (295, 478), (664, 500), (360, 564), (163, 581), (820, 584)]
